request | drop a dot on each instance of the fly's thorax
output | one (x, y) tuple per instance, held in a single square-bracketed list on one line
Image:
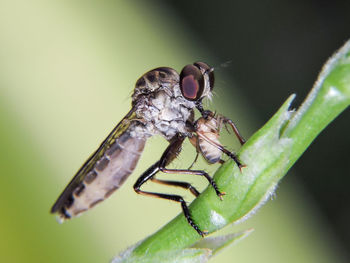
[(160, 104), (152, 81), (165, 112)]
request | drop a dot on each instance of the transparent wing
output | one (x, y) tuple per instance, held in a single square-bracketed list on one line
[(104, 172)]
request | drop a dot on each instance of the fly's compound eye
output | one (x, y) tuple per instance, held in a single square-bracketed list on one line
[(206, 69), (191, 83)]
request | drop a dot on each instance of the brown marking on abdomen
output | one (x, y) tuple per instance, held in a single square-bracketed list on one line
[(108, 174)]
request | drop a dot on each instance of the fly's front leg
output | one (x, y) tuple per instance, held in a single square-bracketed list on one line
[(169, 155)]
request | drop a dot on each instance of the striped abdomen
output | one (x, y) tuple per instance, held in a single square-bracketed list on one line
[(208, 134), (210, 152), (107, 175)]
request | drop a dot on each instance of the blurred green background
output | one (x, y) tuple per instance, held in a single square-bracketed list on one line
[(67, 70)]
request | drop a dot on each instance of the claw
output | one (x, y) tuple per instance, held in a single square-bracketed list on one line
[(203, 233), (221, 194), (240, 166)]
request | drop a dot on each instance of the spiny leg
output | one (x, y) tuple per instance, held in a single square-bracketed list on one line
[(194, 172), (169, 154), (184, 185), (148, 174), (179, 199)]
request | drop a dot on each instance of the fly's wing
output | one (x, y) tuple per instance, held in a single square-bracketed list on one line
[(104, 172)]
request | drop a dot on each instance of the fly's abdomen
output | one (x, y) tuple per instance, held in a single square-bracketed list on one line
[(107, 175)]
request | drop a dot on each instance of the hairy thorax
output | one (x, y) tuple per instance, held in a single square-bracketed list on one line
[(160, 105)]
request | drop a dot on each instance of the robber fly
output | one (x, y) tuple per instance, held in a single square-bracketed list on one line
[(163, 103)]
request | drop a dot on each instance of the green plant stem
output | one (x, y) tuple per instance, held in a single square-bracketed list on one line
[(268, 155), (328, 98)]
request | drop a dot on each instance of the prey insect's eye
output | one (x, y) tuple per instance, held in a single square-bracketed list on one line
[(204, 67), (191, 82)]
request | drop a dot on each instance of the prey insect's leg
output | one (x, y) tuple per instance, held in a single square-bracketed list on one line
[(235, 130), (169, 155), (194, 161), (223, 149), (194, 140)]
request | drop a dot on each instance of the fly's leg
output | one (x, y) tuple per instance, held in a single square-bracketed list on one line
[(172, 151), (148, 174), (184, 185), (195, 172), (184, 207), (169, 155)]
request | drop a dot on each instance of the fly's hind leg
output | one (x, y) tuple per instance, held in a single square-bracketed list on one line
[(183, 185), (176, 198), (195, 172), (148, 174), (169, 155)]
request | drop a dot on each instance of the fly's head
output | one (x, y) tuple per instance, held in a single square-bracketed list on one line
[(197, 83)]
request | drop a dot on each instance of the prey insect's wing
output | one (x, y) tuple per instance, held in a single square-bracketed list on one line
[(105, 170)]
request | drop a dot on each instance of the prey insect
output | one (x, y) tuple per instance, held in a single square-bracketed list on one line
[(163, 103), (206, 138)]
